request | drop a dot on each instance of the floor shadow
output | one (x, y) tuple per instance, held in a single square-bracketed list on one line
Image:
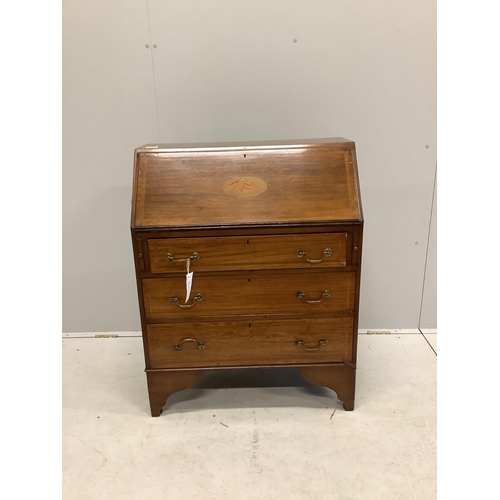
[(263, 377), (265, 387)]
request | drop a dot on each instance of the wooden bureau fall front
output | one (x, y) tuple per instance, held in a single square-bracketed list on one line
[(272, 234)]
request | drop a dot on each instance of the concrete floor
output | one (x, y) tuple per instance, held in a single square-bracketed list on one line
[(259, 434)]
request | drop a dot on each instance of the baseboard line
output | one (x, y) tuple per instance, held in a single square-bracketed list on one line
[(90, 335), (381, 331), (428, 330), (361, 331)]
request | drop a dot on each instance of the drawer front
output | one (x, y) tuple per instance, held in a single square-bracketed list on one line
[(164, 298), (182, 345), (248, 252)]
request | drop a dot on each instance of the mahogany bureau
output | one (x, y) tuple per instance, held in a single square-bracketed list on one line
[(272, 234)]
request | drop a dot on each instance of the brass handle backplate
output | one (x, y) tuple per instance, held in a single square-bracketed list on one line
[(197, 298), (170, 257), (327, 252), (300, 343), (301, 295), (199, 345)]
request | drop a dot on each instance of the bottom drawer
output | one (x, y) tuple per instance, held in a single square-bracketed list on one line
[(192, 345)]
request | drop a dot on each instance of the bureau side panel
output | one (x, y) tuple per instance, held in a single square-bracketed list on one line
[(139, 241), (357, 257)]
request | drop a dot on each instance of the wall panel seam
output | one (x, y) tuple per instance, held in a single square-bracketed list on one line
[(153, 71), (427, 249)]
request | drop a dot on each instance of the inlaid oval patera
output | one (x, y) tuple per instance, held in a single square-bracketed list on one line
[(244, 187)]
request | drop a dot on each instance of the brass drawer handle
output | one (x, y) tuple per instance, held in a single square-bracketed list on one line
[(301, 295), (199, 345), (170, 257), (327, 252), (300, 343), (196, 298)]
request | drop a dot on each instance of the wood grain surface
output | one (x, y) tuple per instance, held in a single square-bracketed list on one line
[(236, 295), (249, 343), (248, 252), (185, 187)]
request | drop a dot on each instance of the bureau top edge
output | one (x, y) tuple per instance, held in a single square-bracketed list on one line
[(241, 145), (322, 226)]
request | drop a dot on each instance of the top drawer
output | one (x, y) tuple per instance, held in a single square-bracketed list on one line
[(248, 252)]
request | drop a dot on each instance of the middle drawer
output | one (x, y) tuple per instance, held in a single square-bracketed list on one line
[(164, 298)]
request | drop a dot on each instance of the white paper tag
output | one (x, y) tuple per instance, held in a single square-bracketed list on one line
[(189, 282)]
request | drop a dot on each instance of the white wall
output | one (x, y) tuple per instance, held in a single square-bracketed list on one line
[(108, 109), (230, 70)]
